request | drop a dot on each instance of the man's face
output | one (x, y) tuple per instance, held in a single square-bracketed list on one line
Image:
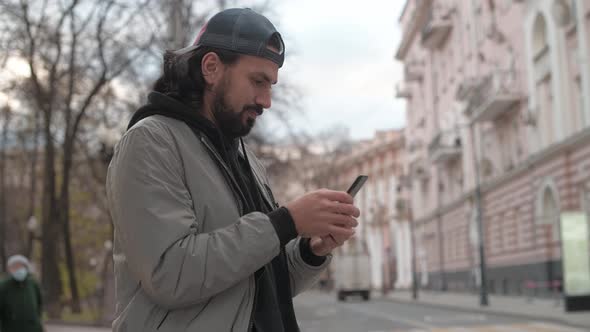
[(243, 93), (12, 268)]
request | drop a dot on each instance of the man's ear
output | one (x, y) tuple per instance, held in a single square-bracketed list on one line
[(212, 68)]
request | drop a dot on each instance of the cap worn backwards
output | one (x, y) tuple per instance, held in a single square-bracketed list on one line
[(241, 30)]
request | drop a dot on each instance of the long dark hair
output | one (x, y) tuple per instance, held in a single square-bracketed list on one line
[(182, 78)]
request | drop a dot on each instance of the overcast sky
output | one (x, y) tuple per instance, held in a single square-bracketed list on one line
[(344, 62)]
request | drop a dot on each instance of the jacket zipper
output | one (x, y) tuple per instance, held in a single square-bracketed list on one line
[(228, 174), (236, 191)]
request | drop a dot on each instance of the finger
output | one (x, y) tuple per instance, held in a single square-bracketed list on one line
[(338, 196), (342, 221), (337, 231), (343, 208), (342, 239)]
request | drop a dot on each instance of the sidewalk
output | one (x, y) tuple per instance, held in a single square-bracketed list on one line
[(543, 309)]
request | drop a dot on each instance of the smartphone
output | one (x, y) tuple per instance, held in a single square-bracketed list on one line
[(357, 185)]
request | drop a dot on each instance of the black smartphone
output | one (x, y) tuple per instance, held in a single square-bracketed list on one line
[(357, 185)]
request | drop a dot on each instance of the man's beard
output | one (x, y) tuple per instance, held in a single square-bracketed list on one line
[(229, 121)]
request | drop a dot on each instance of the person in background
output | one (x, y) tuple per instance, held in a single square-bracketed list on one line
[(20, 298)]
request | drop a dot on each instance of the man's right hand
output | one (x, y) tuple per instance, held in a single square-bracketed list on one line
[(324, 212)]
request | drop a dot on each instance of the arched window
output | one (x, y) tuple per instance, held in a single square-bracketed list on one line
[(548, 208)]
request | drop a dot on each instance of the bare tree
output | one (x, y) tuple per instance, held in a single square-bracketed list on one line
[(88, 63), (74, 50)]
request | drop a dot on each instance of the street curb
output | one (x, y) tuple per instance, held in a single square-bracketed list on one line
[(486, 311)]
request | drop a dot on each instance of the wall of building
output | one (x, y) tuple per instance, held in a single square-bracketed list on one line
[(532, 159)]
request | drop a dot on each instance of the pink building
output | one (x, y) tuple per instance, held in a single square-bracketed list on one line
[(497, 90), (384, 229)]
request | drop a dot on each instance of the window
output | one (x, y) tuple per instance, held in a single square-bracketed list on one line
[(539, 36), (547, 209)]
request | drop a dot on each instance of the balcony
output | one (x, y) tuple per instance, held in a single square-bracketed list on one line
[(414, 70), (414, 13), (437, 28), (403, 91), (445, 147), (496, 95)]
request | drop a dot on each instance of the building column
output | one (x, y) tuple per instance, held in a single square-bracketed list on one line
[(584, 59)]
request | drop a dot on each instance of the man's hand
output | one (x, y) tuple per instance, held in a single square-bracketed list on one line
[(323, 245), (324, 212)]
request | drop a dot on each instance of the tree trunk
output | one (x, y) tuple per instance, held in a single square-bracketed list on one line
[(51, 280), (65, 208), (33, 184), (3, 214)]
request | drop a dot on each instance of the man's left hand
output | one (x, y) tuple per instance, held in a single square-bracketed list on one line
[(322, 246)]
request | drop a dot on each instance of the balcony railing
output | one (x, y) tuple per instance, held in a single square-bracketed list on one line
[(445, 147), (496, 95), (403, 91), (437, 28)]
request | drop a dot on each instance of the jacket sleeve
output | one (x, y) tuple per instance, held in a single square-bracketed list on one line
[(301, 274), (157, 225)]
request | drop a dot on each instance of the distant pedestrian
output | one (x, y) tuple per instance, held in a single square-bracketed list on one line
[(20, 298)]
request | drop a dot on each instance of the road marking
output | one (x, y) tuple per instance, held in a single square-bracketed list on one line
[(456, 318), (392, 318)]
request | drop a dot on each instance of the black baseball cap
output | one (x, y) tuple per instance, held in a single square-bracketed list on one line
[(240, 30)]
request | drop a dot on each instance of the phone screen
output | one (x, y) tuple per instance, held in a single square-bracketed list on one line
[(357, 185)]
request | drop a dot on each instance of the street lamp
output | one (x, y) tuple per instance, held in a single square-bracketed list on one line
[(483, 289), (413, 244)]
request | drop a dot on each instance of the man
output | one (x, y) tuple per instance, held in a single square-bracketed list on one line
[(20, 298), (200, 243)]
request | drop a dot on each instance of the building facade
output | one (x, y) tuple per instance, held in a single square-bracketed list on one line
[(498, 98), (384, 230)]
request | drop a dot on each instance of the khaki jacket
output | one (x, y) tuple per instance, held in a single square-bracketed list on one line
[(184, 257)]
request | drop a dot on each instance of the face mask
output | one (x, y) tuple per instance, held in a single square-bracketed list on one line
[(20, 274)]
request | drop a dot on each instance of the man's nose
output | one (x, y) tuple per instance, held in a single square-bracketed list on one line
[(264, 99)]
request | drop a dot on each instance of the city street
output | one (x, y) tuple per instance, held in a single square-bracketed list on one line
[(320, 312)]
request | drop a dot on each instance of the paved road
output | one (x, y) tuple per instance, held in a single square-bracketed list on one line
[(320, 312)]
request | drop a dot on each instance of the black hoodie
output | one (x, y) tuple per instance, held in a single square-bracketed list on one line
[(273, 306)]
